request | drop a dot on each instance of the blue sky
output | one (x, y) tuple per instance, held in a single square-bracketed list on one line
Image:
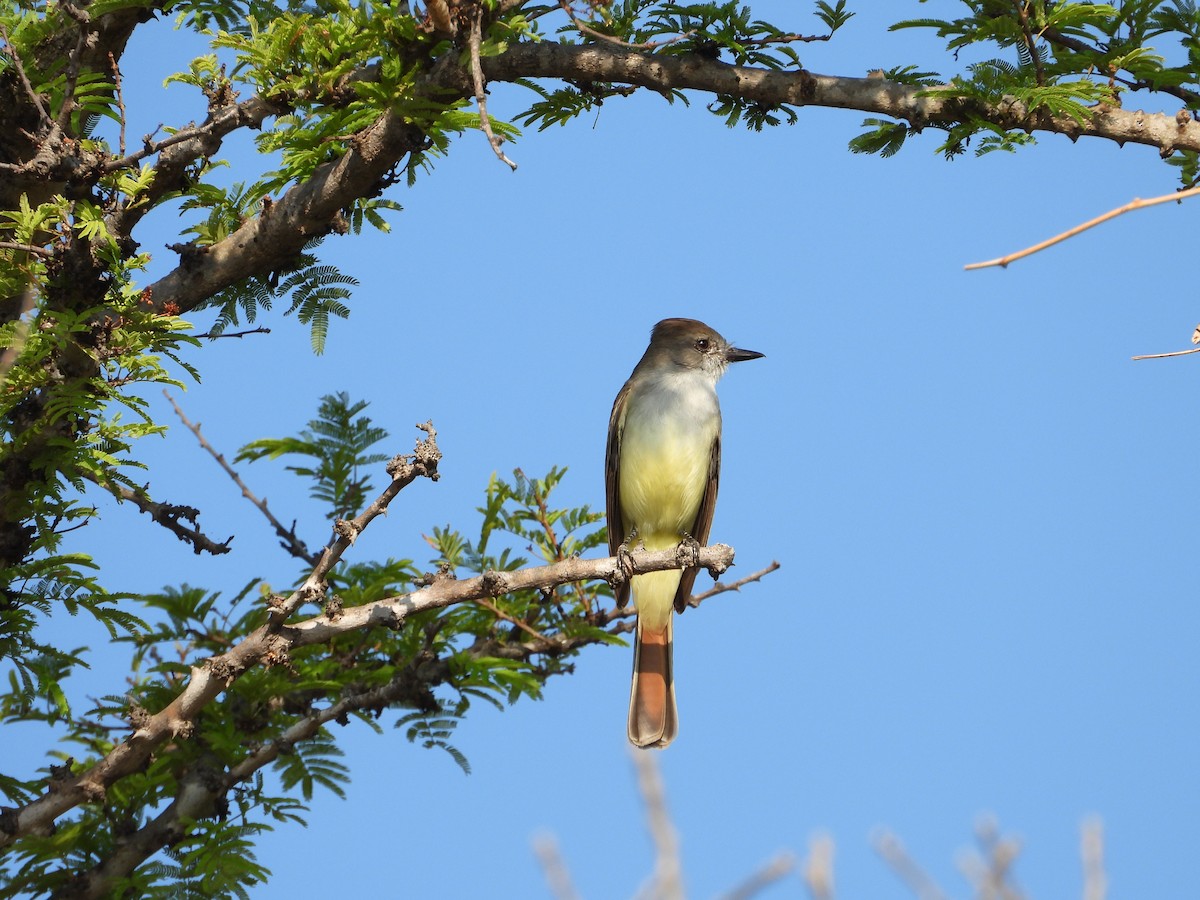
[(980, 504)]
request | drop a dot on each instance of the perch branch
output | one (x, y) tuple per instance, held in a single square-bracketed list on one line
[(273, 640)]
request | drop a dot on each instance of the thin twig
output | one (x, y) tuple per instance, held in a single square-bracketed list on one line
[(288, 538), (774, 869), (31, 249), (990, 871), (233, 334), (116, 72), (786, 39), (583, 28), (545, 848), (25, 83), (1136, 203), (888, 846), (74, 64), (1091, 849), (501, 614), (818, 869), (1165, 355), (485, 124), (169, 515), (667, 883), (718, 588)]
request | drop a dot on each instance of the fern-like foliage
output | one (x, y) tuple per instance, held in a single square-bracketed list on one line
[(316, 293), (338, 443)]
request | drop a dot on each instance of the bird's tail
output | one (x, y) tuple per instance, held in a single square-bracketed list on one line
[(653, 719)]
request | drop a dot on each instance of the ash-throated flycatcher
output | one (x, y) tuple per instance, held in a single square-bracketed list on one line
[(661, 471)]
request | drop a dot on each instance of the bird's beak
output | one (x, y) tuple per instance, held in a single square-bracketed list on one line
[(734, 354)]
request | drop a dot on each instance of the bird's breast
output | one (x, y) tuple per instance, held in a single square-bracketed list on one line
[(666, 456)]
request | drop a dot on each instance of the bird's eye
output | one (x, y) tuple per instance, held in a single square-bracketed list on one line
[(703, 344)]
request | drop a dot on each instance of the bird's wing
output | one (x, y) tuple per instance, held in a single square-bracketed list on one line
[(612, 485), (704, 517)]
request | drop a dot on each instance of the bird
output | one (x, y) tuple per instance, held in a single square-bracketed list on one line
[(662, 467)]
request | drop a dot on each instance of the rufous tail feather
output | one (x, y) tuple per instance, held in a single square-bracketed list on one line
[(653, 720)]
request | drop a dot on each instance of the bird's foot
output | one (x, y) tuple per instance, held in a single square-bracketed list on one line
[(625, 566), (688, 551)]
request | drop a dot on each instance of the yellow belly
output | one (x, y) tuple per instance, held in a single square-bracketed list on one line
[(665, 464)]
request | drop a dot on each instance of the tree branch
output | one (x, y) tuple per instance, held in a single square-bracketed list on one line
[(667, 881), (818, 868), (288, 539), (779, 866), (558, 877), (306, 210), (1136, 203), (1091, 851), (168, 515), (889, 847), (720, 587), (485, 124), (625, 65), (271, 643), (200, 794)]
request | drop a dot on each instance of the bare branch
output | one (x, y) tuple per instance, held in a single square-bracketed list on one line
[(1166, 355), (990, 871), (776, 868), (818, 869), (1091, 849), (392, 611), (288, 539), (485, 124), (234, 334), (1136, 203), (169, 515), (889, 847), (545, 848), (667, 881), (404, 469), (719, 588)]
